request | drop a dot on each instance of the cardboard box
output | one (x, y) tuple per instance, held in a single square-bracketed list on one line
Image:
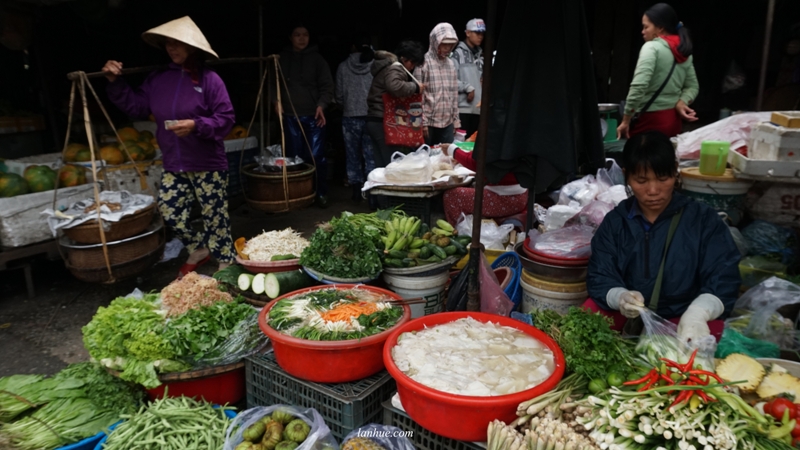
[(788, 119), (772, 142)]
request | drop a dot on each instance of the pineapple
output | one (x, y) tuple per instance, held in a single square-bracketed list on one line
[(738, 367), (361, 443), (777, 383)]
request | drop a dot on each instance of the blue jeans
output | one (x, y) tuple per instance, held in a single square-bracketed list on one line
[(296, 146), (357, 143)]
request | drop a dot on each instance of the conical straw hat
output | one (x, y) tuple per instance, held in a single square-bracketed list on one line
[(184, 30)]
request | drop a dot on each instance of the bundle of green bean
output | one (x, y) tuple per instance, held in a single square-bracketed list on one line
[(171, 423)]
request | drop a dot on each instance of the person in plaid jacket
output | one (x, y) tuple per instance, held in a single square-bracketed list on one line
[(440, 77)]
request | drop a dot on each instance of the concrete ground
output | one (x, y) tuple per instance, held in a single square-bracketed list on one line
[(43, 335)]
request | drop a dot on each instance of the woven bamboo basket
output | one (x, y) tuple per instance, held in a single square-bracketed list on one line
[(131, 225), (280, 206), (121, 271), (119, 252), (268, 187)]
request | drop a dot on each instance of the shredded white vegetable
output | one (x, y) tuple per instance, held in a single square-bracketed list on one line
[(468, 357), (272, 243)]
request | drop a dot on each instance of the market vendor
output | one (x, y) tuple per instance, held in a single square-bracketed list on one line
[(194, 113), (700, 271), (500, 201)]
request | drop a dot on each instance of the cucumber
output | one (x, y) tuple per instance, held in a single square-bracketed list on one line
[(450, 250), (424, 252), (438, 251), (244, 281), (460, 249), (397, 254), (464, 240), (280, 283), (424, 228), (282, 257), (257, 284), (392, 262)]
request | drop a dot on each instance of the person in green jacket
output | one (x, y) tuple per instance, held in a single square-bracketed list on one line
[(667, 43)]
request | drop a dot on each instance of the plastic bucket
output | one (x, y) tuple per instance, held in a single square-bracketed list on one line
[(540, 294), (430, 288), (723, 193)]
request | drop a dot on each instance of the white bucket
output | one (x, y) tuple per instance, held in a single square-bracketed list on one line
[(723, 187), (430, 288), (534, 299)]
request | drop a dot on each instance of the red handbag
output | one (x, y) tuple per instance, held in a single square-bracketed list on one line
[(402, 120)]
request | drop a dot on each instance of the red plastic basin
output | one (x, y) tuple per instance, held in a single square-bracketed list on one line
[(532, 252), (330, 361), (462, 417), (223, 388)]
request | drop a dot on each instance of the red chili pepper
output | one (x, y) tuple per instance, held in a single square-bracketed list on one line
[(671, 363), (688, 366), (653, 379), (684, 395), (708, 374), (667, 379), (640, 380), (698, 380), (705, 396)]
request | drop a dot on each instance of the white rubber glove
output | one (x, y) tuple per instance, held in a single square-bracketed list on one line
[(694, 322), (629, 303)]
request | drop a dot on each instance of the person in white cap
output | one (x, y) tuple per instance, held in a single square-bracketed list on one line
[(440, 98), (194, 114), (468, 57)]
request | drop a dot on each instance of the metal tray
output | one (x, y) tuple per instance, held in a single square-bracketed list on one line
[(154, 227)]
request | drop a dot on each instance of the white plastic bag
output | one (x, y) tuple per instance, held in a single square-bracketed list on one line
[(570, 242), (411, 168), (734, 129), (319, 437), (558, 215), (582, 191), (616, 195), (591, 214), (493, 236)]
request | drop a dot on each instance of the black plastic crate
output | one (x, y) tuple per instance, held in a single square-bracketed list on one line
[(234, 177), (344, 406), (413, 206), (422, 438)]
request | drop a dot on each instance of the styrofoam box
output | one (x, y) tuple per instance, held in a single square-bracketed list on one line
[(21, 220), (759, 167), (126, 178), (778, 203), (18, 166), (772, 142)]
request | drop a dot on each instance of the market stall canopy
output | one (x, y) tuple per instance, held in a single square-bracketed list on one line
[(544, 120)]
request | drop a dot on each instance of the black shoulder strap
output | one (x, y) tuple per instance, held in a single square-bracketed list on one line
[(661, 88)]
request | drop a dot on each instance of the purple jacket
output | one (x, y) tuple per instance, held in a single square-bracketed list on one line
[(172, 95)]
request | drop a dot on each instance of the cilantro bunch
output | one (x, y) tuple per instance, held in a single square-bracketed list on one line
[(200, 333), (343, 249)]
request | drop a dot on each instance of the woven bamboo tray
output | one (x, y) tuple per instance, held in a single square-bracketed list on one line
[(91, 256), (280, 206), (120, 271), (131, 225)]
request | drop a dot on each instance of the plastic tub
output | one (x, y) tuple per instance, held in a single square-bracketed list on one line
[(222, 385), (550, 272), (724, 193), (461, 417), (540, 294), (533, 253), (330, 361), (430, 288)]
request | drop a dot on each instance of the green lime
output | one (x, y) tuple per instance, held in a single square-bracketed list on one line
[(597, 385), (615, 379)]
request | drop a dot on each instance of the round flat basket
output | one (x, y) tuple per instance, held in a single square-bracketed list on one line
[(120, 271), (322, 278), (280, 206), (82, 256), (425, 270), (268, 266), (251, 298), (130, 225)]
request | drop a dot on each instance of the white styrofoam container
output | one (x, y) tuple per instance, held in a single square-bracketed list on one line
[(237, 145), (21, 220), (778, 203), (763, 168), (125, 178), (18, 166), (774, 143)]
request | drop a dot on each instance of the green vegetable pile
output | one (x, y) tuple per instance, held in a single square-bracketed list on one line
[(344, 249), (80, 401), (133, 336), (171, 423), (589, 344)]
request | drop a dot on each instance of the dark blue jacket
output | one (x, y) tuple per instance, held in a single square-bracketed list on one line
[(702, 257)]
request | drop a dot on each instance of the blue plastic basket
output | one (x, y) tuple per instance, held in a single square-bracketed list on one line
[(88, 443), (513, 290), (99, 446)]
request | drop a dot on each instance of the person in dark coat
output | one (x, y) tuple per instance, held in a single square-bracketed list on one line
[(701, 270)]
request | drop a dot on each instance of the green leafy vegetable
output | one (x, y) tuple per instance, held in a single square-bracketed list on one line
[(198, 333), (230, 274), (341, 248), (589, 344)]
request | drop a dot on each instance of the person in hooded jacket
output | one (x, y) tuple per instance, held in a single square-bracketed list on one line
[(192, 103), (698, 265), (310, 91), (353, 80), (394, 79), (440, 77), (664, 60), (468, 57)]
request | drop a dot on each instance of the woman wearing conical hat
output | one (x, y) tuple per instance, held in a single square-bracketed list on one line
[(194, 113)]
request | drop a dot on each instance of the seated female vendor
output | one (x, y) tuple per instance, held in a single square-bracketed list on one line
[(504, 201), (700, 271)]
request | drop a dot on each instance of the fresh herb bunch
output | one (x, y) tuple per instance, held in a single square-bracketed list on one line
[(341, 248), (374, 323), (200, 333), (589, 344)]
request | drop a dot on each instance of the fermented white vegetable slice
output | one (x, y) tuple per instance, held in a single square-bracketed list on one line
[(258, 283)]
